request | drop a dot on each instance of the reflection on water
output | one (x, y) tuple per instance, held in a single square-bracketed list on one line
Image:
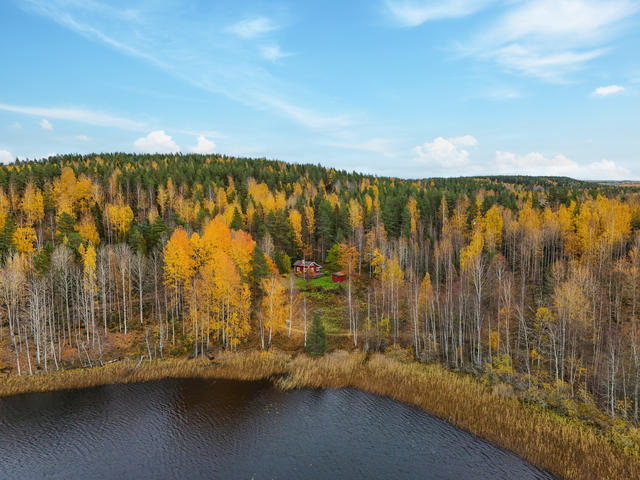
[(200, 429)]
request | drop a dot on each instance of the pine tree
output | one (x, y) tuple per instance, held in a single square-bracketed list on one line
[(317, 341)]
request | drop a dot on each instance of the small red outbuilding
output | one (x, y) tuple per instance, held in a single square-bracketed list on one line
[(337, 277)]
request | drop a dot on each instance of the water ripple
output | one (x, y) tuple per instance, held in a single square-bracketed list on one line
[(200, 429)]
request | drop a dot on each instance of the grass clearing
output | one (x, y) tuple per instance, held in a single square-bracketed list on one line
[(324, 282)]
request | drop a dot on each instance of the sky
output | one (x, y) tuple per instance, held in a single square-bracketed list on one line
[(407, 88)]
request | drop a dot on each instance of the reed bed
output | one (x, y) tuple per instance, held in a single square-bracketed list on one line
[(563, 447), (246, 366)]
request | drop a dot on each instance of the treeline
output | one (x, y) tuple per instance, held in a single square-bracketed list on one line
[(533, 280)]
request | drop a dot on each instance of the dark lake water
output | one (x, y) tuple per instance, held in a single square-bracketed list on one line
[(197, 429)]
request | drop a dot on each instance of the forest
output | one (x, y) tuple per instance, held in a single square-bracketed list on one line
[(529, 283)]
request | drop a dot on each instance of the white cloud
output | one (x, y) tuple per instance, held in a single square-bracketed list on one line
[(551, 38), (446, 152), (609, 90), (16, 125), (273, 53), (157, 142), (464, 141), (76, 115), (6, 156), (203, 146), (252, 27), (411, 13), (44, 123), (534, 163), (82, 138)]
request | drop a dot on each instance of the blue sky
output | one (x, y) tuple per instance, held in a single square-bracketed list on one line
[(392, 87)]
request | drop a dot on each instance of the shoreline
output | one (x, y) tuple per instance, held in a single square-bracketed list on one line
[(563, 447)]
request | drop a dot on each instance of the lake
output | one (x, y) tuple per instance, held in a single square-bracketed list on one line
[(204, 429)]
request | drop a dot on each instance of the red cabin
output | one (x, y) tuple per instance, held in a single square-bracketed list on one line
[(337, 277), (305, 267)]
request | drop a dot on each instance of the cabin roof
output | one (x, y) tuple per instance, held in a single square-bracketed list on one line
[(305, 263)]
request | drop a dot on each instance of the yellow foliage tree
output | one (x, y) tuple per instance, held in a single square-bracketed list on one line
[(87, 229), (24, 239), (492, 224), (32, 204), (274, 307), (179, 263), (120, 216), (355, 214), (295, 219), (64, 192)]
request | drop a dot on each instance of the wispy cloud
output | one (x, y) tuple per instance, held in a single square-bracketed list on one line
[(75, 115), (548, 39), (308, 118), (412, 13), (252, 27), (46, 124), (273, 53), (199, 52), (608, 90), (552, 38), (156, 142)]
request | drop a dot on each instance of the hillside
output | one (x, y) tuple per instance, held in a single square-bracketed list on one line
[(530, 283)]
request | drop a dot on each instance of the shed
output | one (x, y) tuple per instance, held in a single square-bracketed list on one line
[(337, 277)]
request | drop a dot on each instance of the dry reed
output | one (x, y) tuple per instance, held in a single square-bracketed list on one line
[(246, 366)]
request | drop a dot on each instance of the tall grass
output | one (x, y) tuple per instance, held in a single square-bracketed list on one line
[(561, 446), (246, 366)]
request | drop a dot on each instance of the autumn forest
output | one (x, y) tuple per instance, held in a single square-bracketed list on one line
[(530, 283)]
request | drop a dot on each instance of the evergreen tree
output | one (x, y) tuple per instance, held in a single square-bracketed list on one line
[(236, 221), (42, 261), (259, 270), (331, 262), (317, 341), (5, 237), (283, 261)]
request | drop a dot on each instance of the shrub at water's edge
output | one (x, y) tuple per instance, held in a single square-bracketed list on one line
[(563, 447)]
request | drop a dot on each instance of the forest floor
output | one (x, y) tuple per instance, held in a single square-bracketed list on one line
[(566, 448)]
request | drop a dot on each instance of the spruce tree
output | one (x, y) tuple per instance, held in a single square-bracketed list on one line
[(236, 221), (259, 270), (317, 340)]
